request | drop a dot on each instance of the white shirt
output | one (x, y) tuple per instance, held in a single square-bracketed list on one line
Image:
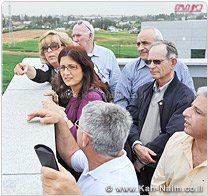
[(108, 178)]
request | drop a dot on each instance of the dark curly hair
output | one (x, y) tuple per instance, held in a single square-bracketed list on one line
[(89, 80)]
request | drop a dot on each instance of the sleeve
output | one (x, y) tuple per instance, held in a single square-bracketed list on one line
[(43, 75), (175, 124), (159, 178), (114, 73), (133, 109), (123, 88), (185, 76), (74, 132), (79, 161), (91, 96)]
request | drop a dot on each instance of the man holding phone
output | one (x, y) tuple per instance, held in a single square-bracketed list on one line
[(102, 131)]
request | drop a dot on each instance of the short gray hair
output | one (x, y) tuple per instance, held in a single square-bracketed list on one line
[(157, 34), (202, 91), (109, 125), (171, 48)]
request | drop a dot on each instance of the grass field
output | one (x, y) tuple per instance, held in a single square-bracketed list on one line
[(8, 64), (122, 44)]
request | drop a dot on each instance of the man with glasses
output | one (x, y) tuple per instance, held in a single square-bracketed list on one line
[(136, 73), (106, 65), (102, 131), (157, 109)]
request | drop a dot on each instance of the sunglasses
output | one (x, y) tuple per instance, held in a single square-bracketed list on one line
[(69, 67), (52, 46), (81, 22), (156, 61)]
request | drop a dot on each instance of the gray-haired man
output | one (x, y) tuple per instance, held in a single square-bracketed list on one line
[(136, 73), (103, 58), (157, 109), (102, 131)]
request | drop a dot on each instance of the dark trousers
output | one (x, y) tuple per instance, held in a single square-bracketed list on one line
[(144, 178)]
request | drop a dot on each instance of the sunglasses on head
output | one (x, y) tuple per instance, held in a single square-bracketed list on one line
[(52, 46), (156, 61), (81, 22)]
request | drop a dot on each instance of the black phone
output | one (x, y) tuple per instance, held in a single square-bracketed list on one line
[(46, 156)]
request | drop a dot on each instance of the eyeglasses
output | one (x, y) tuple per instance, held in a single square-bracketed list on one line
[(69, 67), (156, 61), (77, 126), (82, 22), (52, 46)]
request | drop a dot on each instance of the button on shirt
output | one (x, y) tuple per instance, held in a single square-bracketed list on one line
[(175, 169), (136, 73), (106, 61), (116, 173)]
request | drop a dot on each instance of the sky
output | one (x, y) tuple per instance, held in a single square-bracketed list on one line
[(36, 8)]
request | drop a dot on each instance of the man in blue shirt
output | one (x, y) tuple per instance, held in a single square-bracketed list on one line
[(137, 73), (103, 58)]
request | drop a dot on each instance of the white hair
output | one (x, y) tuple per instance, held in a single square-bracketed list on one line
[(157, 34), (109, 125), (202, 91)]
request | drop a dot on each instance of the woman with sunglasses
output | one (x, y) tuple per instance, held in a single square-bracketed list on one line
[(50, 45)]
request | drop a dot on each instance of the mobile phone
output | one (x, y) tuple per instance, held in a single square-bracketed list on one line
[(46, 156)]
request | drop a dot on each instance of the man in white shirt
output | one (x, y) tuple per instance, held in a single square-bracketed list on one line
[(102, 131)]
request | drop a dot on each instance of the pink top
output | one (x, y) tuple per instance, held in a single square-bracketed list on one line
[(73, 113)]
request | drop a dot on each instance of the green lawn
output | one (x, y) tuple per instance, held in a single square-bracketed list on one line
[(8, 64), (26, 46), (123, 44)]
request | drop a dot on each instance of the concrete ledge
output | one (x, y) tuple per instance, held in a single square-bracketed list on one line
[(20, 164)]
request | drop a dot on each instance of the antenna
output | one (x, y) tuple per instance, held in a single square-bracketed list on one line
[(11, 35)]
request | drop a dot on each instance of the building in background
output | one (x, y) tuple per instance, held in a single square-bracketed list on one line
[(190, 37)]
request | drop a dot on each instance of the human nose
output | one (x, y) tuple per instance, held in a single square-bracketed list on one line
[(67, 70), (49, 49), (187, 112)]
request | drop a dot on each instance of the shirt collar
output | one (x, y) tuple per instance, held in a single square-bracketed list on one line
[(110, 166), (187, 146), (141, 64), (164, 87), (95, 51)]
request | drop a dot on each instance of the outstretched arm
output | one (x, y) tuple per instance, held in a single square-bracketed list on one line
[(66, 144)]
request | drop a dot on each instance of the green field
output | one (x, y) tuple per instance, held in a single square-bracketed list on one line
[(26, 46), (122, 44), (8, 64)]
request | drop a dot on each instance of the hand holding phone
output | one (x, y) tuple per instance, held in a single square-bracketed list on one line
[(46, 156)]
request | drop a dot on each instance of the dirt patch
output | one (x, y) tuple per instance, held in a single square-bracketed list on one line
[(21, 53), (24, 35)]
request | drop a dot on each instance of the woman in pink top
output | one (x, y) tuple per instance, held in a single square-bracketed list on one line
[(77, 83)]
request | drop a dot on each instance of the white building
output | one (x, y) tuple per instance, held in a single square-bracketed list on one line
[(190, 37)]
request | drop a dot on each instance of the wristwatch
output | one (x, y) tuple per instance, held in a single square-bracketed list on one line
[(66, 118)]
